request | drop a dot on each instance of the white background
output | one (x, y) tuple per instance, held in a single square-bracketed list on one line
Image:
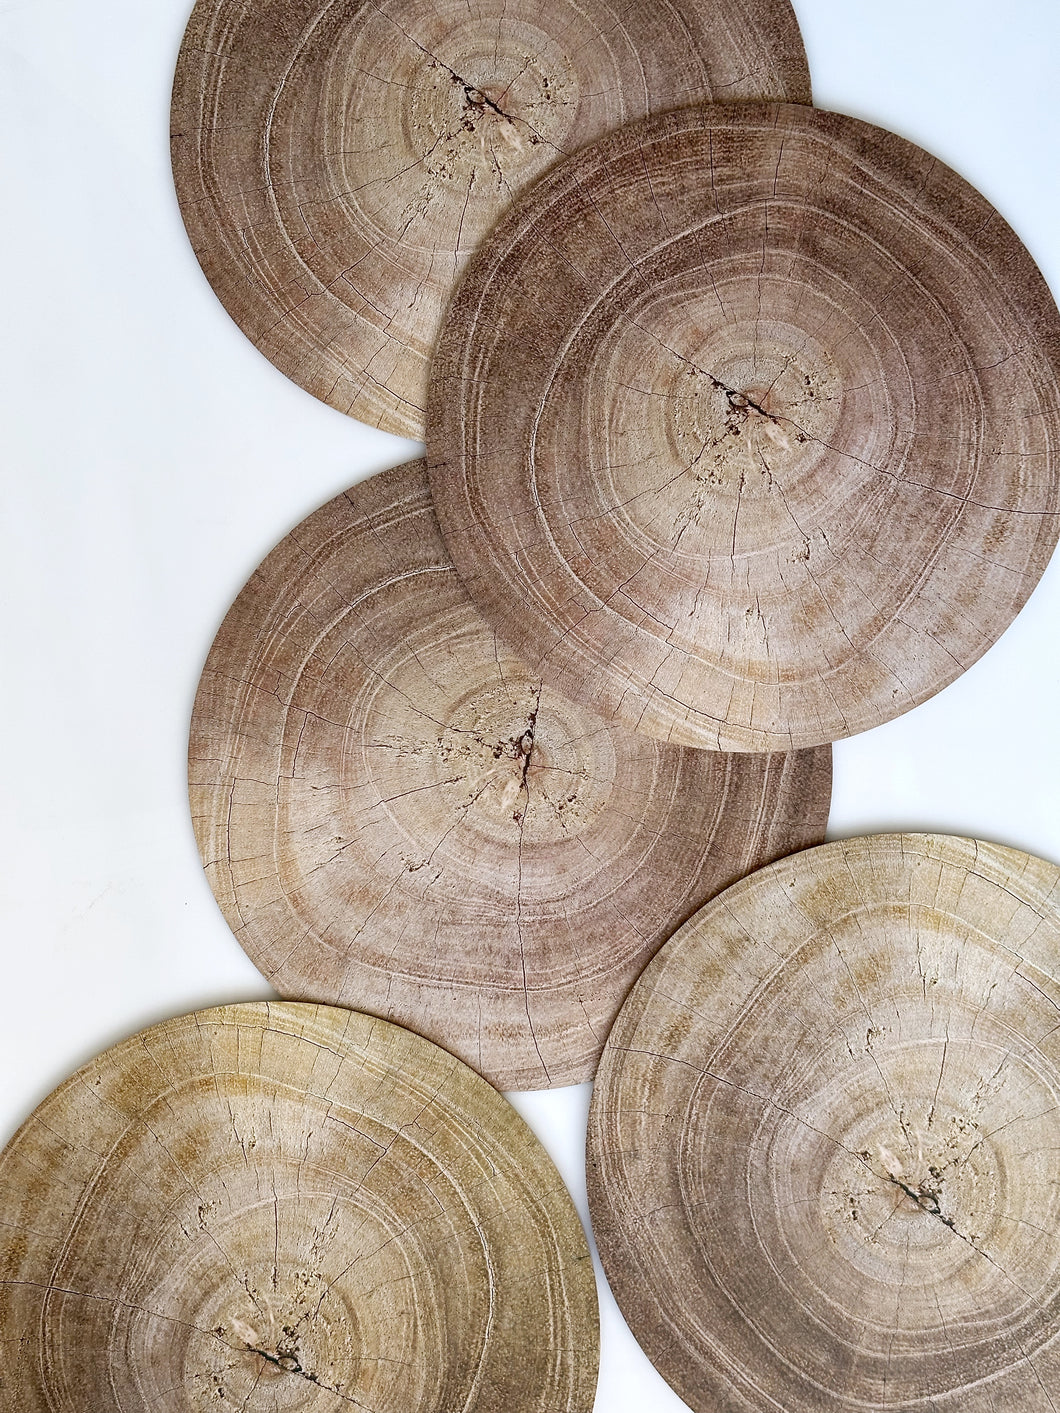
[(152, 457)]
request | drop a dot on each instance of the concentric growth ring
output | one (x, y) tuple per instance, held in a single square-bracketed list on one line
[(744, 426), (822, 1146), (287, 1207), (395, 815), (338, 160)]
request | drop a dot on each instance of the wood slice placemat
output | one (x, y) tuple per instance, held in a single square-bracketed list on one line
[(337, 161), (823, 1139), (396, 816), (279, 1207), (744, 425)]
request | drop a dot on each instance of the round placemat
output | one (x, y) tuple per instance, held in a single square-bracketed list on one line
[(336, 161), (281, 1207), (744, 424), (822, 1145), (396, 816)]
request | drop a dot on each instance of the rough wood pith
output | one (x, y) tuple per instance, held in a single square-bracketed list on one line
[(823, 1139), (337, 161), (744, 426), (396, 816), (268, 1208)]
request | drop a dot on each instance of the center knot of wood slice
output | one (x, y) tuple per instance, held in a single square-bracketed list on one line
[(731, 435), (483, 118), (499, 758), (488, 96), (280, 1359), (943, 1168), (510, 781), (923, 1196), (744, 411), (750, 412)]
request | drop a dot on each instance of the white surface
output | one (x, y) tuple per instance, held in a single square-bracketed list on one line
[(152, 457)]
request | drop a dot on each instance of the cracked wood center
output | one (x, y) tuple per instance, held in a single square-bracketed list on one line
[(337, 161), (396, 815), (822, 1153), (269, 1208), (744, 426)]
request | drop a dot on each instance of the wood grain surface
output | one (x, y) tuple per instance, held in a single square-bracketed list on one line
[(337, 161), (280, 1207), (743, 425), (395, 815), (823, 1139)]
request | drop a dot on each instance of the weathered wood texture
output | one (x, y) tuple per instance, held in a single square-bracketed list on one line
[(743, 426), (394, 814), (823, 1141), (338, 160), (280, 1207)]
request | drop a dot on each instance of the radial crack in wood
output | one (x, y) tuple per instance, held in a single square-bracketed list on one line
[(274, 1207), (822, 1142), (395, 815), (744, 426), (336, 161)]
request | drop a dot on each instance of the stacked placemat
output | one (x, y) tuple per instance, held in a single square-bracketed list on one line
[(510, 767)]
